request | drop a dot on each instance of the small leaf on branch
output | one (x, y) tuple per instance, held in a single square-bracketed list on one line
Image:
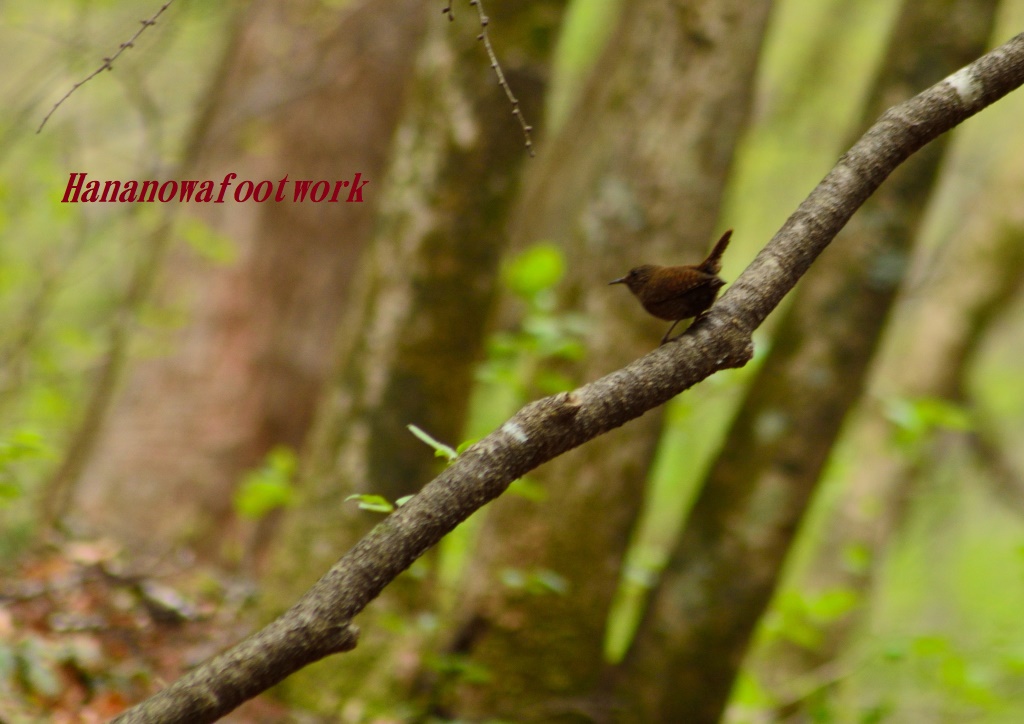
[(373, 503), (440, 449)]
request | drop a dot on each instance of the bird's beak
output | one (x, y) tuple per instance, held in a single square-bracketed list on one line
[(620, 280)]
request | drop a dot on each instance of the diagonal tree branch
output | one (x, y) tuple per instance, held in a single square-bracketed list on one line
[(319, 624)]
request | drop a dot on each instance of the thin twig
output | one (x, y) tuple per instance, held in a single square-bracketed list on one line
[(447, 10), (497, 70), (108, 63)]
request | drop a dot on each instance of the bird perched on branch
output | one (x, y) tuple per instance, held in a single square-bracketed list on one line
[(675, 293)]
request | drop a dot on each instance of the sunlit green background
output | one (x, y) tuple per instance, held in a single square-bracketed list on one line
[(946, 635)]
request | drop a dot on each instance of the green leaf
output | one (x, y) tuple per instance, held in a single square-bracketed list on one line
[(206, 241), (440, 449), (857, 557), (269, 487), (550, 382), (373, 503), (547, 581), (537, 582), (460, 666), (529, 489), (256, 498), (37, 669), (916, 418), (9, 490), (23, 445), (833, 604), (931, 645), (512, 578), (537, 269), (17, 452)]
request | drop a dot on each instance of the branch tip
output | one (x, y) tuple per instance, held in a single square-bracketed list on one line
[(485, 39), (108, 63)]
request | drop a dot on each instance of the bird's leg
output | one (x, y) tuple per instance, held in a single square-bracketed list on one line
[(665, 338)]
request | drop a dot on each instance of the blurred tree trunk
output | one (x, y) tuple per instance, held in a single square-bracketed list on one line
[(415, 333), (310, 92), (635, 176), (724, 569), (928, 355)]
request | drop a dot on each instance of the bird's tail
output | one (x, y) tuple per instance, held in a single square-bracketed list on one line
[(713, 264)]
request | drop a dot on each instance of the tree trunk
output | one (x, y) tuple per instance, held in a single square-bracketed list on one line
[(311, 93), (723, 571), (415, 333), (928, 355), (636, 176)]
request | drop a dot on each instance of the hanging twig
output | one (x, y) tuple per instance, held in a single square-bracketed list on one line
[(108, 63), (484, 20)]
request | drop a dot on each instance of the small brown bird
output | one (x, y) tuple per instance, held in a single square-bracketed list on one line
[(675, 293)]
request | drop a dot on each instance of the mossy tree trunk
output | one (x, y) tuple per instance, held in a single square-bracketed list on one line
[(311, 92), (635, 176), (724, 569), (929, 354), (412, 339)]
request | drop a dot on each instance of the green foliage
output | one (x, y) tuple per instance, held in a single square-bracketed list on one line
[(378, 503), (915, 419), (37, 668), (799, 617), (748, 693), (857, 558), (20, 446), (35, 665), (528, 489), (66, 268), (206, 241), (535, 271), (538, 582), (459, 667), (373, 503), (521, 364), (965, 678), (525, 360), (587, 26), (440, 449), (269, 487)]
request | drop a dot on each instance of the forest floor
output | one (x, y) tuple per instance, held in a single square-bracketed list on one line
[(83, 637)]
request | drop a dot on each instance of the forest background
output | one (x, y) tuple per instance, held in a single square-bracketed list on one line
[(191, 394)]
